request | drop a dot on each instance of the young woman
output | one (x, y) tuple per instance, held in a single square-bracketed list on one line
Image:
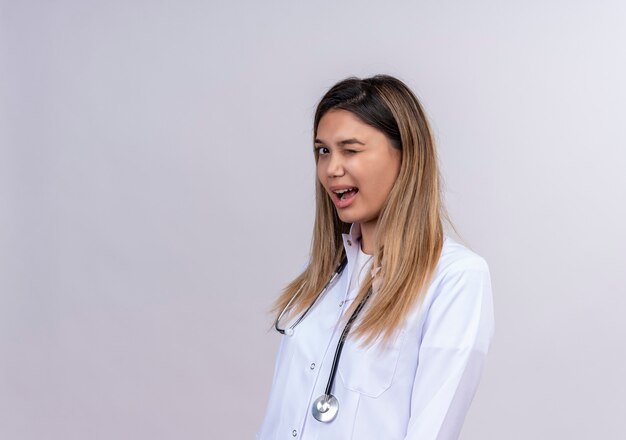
[(386, 330)]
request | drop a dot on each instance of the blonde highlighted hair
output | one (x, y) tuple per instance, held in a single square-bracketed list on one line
[(409, 230)]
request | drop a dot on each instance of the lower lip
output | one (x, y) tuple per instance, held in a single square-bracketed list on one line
[(346, 201)]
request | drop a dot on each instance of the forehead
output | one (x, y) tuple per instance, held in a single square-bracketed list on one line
[(340, 124)]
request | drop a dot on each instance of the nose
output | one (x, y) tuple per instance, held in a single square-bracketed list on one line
[(335, 166)]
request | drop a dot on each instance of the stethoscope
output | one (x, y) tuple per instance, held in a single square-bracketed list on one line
[(326, 406)]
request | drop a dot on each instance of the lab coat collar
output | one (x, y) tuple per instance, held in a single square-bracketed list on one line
[(352, 240), (354, 234), (352, 244)]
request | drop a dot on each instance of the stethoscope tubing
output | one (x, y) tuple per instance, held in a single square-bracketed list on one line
[(326, 406), (289, 331), (342, 339)]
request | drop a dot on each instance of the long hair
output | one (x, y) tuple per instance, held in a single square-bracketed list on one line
[(409, 234)]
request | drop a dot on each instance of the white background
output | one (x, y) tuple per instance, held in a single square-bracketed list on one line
[(156, 193)]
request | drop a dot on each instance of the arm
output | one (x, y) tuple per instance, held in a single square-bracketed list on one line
[(456, 336)]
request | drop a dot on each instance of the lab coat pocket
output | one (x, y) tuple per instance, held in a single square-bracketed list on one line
[(370, 370)]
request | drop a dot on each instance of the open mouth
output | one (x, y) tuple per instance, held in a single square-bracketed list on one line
[(342, 198), (344, 194)]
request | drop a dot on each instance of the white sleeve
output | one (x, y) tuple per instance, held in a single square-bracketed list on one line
[(276, 367), (456, 336)]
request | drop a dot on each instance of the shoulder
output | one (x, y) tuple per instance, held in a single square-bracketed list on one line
[(459, 301), (461, 278), (457, 258)]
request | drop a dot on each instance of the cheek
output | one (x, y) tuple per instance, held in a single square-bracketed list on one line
[(381, 182), (392, 170), (382, 172), (318, 172)]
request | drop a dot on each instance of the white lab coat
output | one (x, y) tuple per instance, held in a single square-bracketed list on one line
[(419, 387)]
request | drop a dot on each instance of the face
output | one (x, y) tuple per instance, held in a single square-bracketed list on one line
[(357, 165)]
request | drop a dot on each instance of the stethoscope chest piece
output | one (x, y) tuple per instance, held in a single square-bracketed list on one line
[(325, 408)]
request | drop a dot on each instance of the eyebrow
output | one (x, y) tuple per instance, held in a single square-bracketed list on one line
[(343, 143)]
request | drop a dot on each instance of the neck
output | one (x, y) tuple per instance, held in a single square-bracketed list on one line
[(368, 233)]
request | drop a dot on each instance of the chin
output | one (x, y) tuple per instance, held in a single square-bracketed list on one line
[(346, 218)]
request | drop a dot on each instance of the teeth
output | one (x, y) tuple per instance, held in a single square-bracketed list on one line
[(341, 191)]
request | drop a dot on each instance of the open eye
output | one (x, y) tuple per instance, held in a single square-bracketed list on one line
[(322, 150)]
